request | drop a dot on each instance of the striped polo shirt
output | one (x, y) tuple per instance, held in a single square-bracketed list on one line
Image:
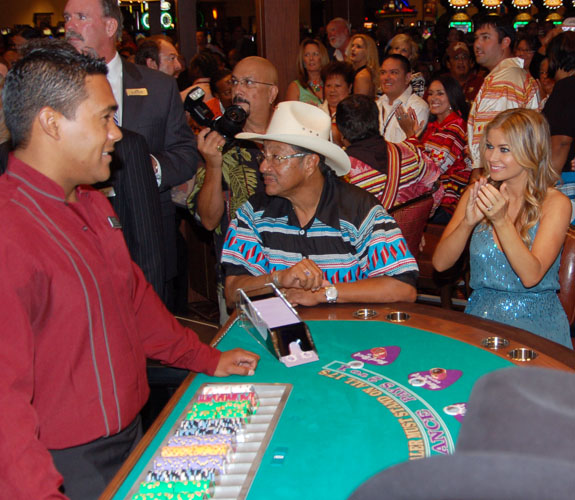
[(351, 237)]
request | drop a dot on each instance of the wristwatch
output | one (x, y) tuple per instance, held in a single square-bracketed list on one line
[(331, 294)]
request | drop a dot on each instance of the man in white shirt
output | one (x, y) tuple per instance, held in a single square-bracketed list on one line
[(398, 97), (339, 35)]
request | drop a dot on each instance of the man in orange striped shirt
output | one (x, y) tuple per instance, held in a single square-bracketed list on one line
[(507, 85)]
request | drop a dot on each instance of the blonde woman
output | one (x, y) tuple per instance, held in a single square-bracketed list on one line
[(361, 53), (517, 222), (312, 57)]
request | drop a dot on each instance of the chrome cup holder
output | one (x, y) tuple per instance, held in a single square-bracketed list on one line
[(397, 317), (495, 343), (522, 354), (365, 313)]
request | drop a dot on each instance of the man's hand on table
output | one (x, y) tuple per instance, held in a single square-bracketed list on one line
[(237, 362), (304, 275)]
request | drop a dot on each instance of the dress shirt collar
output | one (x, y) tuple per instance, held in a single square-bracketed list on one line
[(115, 77), (508, 62), (41, 184), (326, 212), (403, 98)]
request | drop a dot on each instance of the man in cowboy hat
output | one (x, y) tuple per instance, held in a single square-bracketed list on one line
[(312, 234)]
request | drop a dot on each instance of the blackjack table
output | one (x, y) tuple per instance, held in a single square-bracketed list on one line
[(391, 385)]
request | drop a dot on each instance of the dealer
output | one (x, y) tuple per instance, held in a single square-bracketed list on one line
[(78, 318)]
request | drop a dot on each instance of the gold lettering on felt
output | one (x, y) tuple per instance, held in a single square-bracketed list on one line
[(140, 92)]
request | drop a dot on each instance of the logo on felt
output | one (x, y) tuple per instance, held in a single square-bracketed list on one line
[(457, 410), (434, 379), (379, 356)]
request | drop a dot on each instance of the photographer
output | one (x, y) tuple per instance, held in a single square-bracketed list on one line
[(231, 174)]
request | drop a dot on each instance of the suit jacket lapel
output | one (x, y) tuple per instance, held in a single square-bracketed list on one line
[(132, 104)]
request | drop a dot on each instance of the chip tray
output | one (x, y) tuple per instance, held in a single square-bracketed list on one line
[(240, 471)]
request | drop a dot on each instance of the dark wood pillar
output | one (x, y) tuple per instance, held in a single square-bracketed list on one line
[(352, 10), (186, 28), (155, 13), (277, 24)]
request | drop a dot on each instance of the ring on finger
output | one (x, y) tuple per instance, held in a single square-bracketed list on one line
[(306, 272), (220, 148), (489, 208)]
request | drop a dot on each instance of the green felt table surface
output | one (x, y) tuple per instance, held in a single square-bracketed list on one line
[(340, 426)]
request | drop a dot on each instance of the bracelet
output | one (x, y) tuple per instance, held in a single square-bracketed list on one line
[(275, 279)]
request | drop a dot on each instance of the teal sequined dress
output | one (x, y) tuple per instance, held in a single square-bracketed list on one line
[(499, 295)]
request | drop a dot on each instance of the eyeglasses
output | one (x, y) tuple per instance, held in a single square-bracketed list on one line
[(248, 83), (277, 159)]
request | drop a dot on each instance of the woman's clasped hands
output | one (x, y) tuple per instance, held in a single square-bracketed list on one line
[(486, 200)]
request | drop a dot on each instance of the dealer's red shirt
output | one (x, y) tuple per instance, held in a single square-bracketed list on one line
[(77, 321)]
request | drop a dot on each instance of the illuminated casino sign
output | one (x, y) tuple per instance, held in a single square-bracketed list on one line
[(553, 4), (460, 4), (491, 4), (522, 4)]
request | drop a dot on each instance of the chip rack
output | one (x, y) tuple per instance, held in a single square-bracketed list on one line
[(235, 483)]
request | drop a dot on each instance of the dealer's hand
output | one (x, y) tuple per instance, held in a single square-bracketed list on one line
[(237, 362), (305, 274), (210, 145)]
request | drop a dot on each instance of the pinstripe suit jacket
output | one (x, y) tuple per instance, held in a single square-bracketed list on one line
[(4, 150), (152, 107), (137, 203)]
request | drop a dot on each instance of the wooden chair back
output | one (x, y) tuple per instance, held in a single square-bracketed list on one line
[(567, 275), (411, 217)]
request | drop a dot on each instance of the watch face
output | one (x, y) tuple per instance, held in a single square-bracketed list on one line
[(331, 293)]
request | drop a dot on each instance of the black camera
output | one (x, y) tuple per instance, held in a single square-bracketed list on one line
[(228, 125)]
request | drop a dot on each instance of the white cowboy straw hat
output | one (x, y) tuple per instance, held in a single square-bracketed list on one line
[(307, 126)]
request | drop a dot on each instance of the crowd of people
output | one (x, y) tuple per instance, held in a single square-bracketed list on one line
[(297, 196)]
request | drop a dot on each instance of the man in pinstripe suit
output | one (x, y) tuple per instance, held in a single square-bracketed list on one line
[(149, 104)]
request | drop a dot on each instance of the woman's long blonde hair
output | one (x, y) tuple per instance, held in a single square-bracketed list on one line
[(527, 134), (372, 57)]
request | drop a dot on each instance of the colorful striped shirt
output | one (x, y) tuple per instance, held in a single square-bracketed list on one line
[(508, 86), (373, 159), (445, 143), (351, 237)]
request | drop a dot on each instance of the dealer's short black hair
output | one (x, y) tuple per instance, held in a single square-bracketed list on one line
[(502, 25), (50, 73), (357, 118)]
